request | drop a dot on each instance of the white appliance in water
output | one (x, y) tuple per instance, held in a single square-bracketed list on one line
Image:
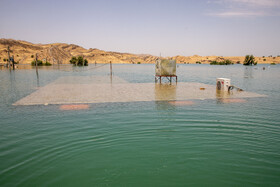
[(223, 84)]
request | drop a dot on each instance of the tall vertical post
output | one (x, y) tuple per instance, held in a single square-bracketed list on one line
[(13, 61), (9, 64), (36, 64), (111, 68)]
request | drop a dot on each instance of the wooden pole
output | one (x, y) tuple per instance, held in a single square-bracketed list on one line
[(9, 65), (36, 64), (111, 68), (13, 61)]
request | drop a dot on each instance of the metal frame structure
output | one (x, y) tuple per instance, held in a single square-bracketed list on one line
[(168, 77)]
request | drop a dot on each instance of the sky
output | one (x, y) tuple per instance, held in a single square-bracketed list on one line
[(157, 27)]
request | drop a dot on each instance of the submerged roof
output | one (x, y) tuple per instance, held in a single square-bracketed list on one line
[(101, 89)]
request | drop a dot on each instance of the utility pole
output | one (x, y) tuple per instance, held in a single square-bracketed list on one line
[(13, 61), (9, 65), (36, 64), (111, 68)]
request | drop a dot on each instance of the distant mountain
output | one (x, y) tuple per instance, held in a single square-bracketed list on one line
[(24, 53)]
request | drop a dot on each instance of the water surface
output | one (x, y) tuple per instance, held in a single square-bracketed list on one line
[(142, 143)]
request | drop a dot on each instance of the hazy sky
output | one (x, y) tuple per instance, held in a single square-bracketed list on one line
[(169, 27)]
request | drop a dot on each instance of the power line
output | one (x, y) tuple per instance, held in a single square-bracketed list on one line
[(96, 67)]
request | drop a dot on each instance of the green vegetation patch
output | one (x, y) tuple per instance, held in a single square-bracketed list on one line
[(250, 60), (40, 63), (80, 61), (225, 62)]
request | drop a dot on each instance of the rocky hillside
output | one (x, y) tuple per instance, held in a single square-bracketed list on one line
[(24, 53)]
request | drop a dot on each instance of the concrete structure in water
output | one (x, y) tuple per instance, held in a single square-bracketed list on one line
[(103, 89)]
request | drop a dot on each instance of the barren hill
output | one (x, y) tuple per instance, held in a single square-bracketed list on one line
[(24, 53)]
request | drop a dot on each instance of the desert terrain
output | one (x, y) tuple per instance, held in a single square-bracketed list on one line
[(60, 53)]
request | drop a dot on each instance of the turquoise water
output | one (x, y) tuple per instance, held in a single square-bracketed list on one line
[(142, 143)]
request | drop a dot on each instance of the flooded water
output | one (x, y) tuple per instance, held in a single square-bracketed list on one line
[(214, 141)]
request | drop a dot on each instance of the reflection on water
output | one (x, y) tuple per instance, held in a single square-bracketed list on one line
[(221, 95), (226, 97), (37, 76), (248, 72), (165, 92), (164, 105)]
